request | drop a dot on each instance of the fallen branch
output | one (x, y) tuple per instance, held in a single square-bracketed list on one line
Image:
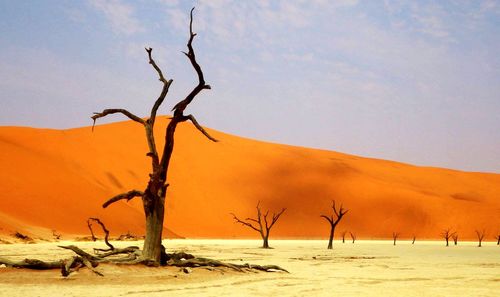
[(133, 257)]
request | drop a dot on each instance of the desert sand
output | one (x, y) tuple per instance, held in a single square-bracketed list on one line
[(366, 268), (56, 179)]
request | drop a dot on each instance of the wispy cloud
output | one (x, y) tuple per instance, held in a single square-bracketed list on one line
[(119, 15)]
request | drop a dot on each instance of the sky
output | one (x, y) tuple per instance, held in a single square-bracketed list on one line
[(411, 81)]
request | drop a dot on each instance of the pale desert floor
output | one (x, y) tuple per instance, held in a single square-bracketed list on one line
[(366, 268)]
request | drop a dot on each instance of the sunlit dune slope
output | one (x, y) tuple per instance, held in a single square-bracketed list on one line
[(56, 179)]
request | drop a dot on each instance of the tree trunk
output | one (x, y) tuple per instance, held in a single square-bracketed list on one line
[(266, 242), (154, 209), (330, 241)]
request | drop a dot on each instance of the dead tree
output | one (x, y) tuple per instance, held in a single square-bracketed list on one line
[(153, 197), (353, 236), (343, 233), (447, 234), (261, 223), (394, 237), (498, 239), (413, 241), (480, 236), (455, 238), (334, 219)]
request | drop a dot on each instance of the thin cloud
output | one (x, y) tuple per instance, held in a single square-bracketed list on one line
[(119, 15)]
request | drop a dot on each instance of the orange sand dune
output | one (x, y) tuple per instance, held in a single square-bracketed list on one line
[(56, 179)]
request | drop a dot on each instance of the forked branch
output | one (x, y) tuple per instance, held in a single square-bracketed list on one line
[(244, 223), (275, 218), (181, 106)]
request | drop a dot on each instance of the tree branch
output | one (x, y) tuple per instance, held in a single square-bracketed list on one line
[(181, 106), (244, 223), (164, 91), (115, 110), (152, 62), (106, 233), (329, 219), (129, 195), (199, 127), (276, 217)]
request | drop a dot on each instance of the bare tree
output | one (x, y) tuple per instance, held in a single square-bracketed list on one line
[(413, 241), (334, 219), (447, 234), (480, 236), (455, 238), (353, 236), (498, 239), (153, 197), (395, 236), (343, 233), (261, 223)]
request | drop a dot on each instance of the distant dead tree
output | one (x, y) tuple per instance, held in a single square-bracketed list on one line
[(334, 219), (353, 236), (153, 196), (413, 241), (480, 236), (455, 238), (343, 233), (395, 236), (56, 235), (498, 239), (447, 234), (261, 223)]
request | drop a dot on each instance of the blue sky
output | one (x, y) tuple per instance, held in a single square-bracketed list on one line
[(412, 81)]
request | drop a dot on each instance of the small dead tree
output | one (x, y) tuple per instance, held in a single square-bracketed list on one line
[(334, 219), (153, 197), (498, 239), (455, 238), (395, 236), (343, 233), (353, 236), (480, 236), (447, 234), (413, 240), (261, 223)]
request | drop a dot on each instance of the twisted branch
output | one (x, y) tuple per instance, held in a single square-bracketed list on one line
[(106, 233)]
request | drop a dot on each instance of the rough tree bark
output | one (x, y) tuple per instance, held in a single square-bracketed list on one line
[(153, 197), (263, 225), (480, 236), (447, 234), (334, 219), (395, 236)]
